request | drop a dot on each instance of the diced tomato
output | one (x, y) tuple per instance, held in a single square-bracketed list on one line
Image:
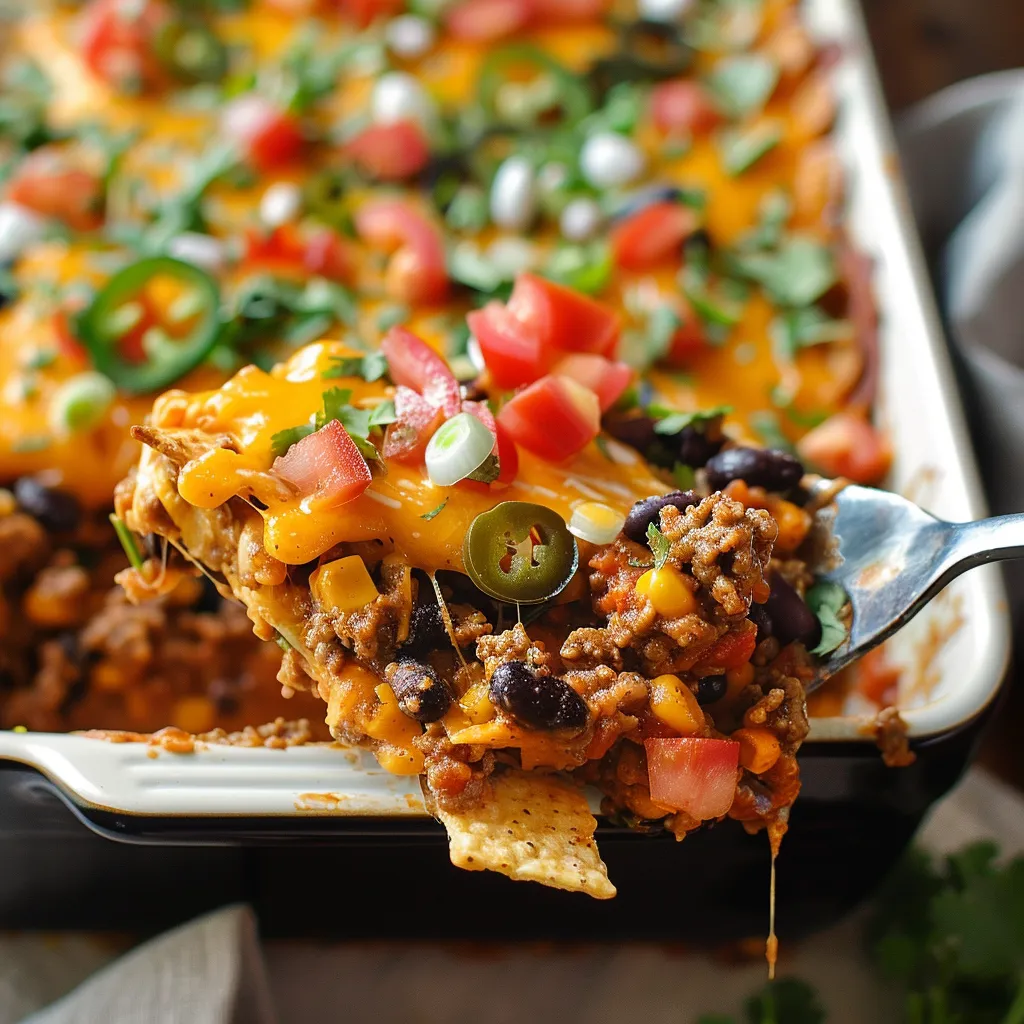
[(364, 12), (683, 107), (689, 338), (508, 456), (847, 445), (693, 774), (406, 439), (607, 379), (554, 417), (326, 466), (652, 236), (267, 136), (49, 183), (563, 318), (415, 364), (731, 650), (285, 250), (484, 21), (511, 349), (118, 42), (390, 152), (417, 272), (569, 11)]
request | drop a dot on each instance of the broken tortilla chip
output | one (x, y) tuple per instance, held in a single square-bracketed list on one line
[(533, 828)]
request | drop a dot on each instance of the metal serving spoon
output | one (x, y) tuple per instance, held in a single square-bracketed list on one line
[(895, 557)]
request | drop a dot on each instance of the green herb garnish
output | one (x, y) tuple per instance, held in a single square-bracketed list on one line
[(434, 511), (281, 441), (827, 600), (797, 329), (741, 148), (659, 544), (672, 422), (765, 423), (127, 539), (741, 84), (796, 274), (370, 367)]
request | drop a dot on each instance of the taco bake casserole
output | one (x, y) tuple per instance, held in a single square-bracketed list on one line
[(532, 318)]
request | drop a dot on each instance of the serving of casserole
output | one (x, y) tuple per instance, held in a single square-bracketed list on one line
[(533, 321)]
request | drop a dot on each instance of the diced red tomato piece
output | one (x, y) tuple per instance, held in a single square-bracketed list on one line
[(67, 341), (554, 417), (267, 136), (570, 11), (484, 21), (49, 183), (364, 12), (406, 439), (511, 349), (326, 466), (508, 456), (689, 338), (847, 445), (418, 272), (731, 650), (607, 379), (285, 250), (390, 152), (563, 318), (653, 235), (693, 774), (118, 42), (683, 107), (412, 362)]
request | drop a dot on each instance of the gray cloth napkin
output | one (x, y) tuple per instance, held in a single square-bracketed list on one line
[(963, 160)]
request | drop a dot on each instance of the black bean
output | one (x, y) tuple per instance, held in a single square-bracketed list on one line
[(538, 702), (426, 627), (759, 467), (58, 511), (641, 198), (636, 431), (694, 448), (759, 616), (791, 619), (648, 511), (421, 693), (710, 689)]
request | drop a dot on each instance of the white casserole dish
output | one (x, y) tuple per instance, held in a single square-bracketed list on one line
[(954, 655)]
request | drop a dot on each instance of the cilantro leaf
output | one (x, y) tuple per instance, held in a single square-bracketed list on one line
[(659, 545), (434, 511), (796, 274), (370, 367), (383, 414), (741, 84), (826, 600), (674, 422), (765, 423), (796, 329), (684, 476), (741, 148), (488, 470), (284, 439)]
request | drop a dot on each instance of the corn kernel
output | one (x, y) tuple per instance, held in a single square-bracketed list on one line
[(399, 760), (738, 679), (759, 748), (194, 714), (674, 704), (476, 704), (667, 591), (794, 522), (343, 585)]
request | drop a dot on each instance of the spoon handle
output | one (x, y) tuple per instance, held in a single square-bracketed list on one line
[(987, 540)]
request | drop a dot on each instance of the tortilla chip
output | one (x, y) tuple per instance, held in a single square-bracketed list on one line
[(533, 828)]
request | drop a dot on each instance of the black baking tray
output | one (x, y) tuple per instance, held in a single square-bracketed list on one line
[(65, 866)]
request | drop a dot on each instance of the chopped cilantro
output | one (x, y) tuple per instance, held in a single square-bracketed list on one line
[(584, 268), (826, 600), (468, 210), (684, 476), (713, 306), (383, 414), (659, 545), (796, 274), (672, 422), (796, 329), (370, 367), (741, 148), (434, 511), (488, 470), (284, 439), (392, 316), (741, 84), (602, 446), (765, 424)]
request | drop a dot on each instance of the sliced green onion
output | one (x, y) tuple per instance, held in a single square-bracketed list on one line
[(81, 402), (127, 539), (594, 522), (460, 447)]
